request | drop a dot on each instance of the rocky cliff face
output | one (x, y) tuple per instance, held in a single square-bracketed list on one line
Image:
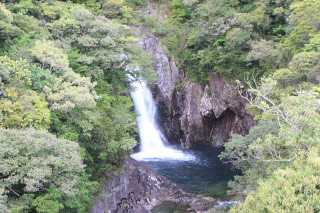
[(137, 189), (192, 115)]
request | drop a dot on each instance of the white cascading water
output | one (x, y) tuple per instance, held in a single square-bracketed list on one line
[(152, 141)]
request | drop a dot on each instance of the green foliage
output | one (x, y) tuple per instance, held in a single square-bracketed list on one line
[(236, 152), (14, 72), (294, 189), (8, 30), (110, 133), (19, 106), (41, 78), (275, 146), (54, 10), (38, 161), (302, 64), (26, 23), (50, 56), (82, 201), (262, 51), (235, 149), (179, 12), (69, 89), (36, 114), (11, 109), (112, 8), (314, 44), (226, 37), (48, 203), (3, 201), (5, 14), (138, 2), (52, 53), (27, 7), (294, 114), (127, 12), (76, 91), (107, 47), (303, 24), (63, 154)]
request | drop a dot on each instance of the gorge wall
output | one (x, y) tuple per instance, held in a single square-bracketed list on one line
[(189, 114)]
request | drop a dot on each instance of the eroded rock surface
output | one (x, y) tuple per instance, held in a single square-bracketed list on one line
[(137, 189), (189, 114)]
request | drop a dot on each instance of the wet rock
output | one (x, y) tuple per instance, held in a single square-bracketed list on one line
[(165, 92), (190, 114), (202, 204), (137, 189)]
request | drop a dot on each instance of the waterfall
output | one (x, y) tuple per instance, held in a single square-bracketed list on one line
[(153, 144)]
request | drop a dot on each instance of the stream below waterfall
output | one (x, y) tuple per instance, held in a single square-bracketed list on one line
[(205, 174)]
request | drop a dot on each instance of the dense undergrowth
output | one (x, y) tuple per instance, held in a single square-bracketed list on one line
[(67, 120)]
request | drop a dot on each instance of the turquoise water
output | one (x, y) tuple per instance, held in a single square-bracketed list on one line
[(207, 174), (169, 207)]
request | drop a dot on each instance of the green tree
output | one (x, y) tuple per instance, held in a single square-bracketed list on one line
[(36, 112), (293, 189), (50, 57), (297, 117), (35, 161), (20, 107), (53, 52), (304, 24), (303, 63), (14, 72), (293, 133), (236, 152), (101, 48), (74, 91), (7, 28), (41, 78)]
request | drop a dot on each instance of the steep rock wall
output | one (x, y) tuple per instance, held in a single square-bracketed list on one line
[(189, 114)]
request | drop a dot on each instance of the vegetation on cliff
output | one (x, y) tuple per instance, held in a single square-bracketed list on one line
[(66, 118)]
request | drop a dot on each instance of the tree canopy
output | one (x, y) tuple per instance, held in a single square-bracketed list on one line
[(65, 114), (65, 72)]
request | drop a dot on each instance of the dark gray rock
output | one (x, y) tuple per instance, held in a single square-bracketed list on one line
[(137, 189), (189, 114), (212, 114)]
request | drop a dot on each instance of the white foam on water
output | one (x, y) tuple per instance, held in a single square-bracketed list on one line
[(152, 141), (226, 203)]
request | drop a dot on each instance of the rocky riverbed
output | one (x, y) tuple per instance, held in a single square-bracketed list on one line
[(138, 189)]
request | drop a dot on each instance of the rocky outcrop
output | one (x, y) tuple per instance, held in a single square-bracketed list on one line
[(190, 114), (212, 114), (137, 189)]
